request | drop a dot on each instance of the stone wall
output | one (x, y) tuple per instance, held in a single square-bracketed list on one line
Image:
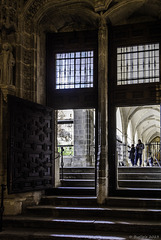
[(84, 141)]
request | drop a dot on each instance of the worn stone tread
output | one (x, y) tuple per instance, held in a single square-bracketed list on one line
[(81, 220), (35, 234)]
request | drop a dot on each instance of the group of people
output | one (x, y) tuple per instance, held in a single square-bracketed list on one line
[(135, 153)]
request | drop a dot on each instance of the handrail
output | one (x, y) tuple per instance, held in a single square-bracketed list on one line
[(3, 187), (62, 163), (62, 159)]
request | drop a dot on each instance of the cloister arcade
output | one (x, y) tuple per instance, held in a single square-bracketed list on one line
[(139, 122)]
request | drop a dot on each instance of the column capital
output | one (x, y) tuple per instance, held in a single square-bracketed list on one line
[(102, 25), (102, 22)]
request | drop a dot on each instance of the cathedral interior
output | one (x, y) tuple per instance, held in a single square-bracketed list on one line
[(79, 85)]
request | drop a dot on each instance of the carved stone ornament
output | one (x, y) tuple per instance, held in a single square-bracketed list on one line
[(7, 62), (8, 15), (102, 22), (5, 90), (101, 5), (34, 7)]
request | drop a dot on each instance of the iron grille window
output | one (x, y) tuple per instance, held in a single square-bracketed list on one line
[(74, 70), (138, 64)]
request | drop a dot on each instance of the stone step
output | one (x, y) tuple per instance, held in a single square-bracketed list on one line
[(139, 170), (78, 170), (139, 183), (134, 202), (69, 201), (78, 183), (141, 176), (82, 225), (78, 175), (120, 219), (38, 234), (72, 191), (96, 212), (153, 203)]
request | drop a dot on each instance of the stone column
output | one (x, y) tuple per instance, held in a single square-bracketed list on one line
[(102, 156), (83, 137), (125, 149)]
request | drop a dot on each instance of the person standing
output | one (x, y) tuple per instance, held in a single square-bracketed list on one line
[(139, 150), (132, 154)]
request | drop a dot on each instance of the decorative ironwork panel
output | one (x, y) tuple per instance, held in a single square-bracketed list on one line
[(31, 151)]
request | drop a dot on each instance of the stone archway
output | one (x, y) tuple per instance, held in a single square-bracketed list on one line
[(39, 17)]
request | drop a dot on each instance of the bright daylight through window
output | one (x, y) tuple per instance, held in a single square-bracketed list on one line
[(138, 64), (74, 70), (65, 131)]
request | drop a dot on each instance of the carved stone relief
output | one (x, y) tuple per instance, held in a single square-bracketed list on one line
[(27, 56), (7, 62), (8, 14)]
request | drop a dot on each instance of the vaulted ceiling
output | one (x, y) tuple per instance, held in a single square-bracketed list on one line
[(145, 121), (60, 15)]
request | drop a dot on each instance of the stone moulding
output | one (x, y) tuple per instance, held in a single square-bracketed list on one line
[(102, 5), (33, 7)]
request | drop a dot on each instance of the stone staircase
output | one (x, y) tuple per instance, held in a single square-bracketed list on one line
[(79, 179), (80, 217), (139, 177)]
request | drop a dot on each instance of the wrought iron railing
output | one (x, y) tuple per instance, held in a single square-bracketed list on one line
[(62, 148), (152, 152)]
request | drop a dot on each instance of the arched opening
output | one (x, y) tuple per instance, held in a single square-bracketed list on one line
[(75, 37), (144, 124)]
